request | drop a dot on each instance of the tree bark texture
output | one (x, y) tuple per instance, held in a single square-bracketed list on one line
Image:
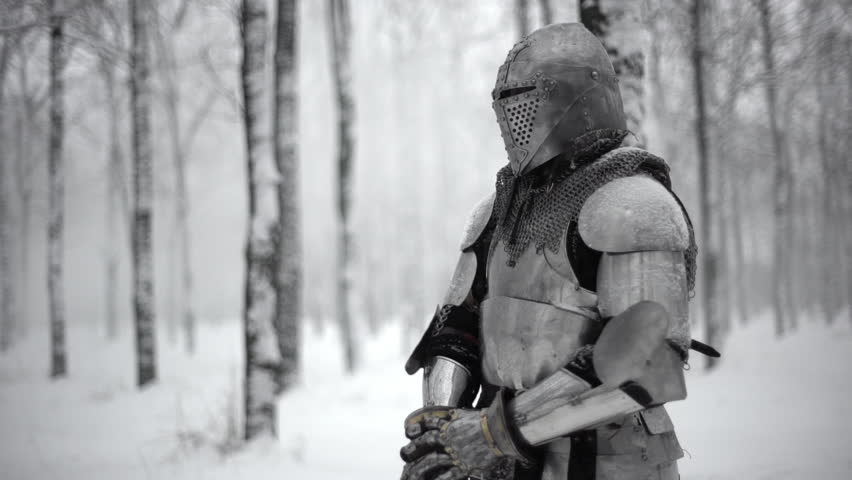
[(827, 219), (845, 170), (116, 205), (263, 358), (781, 275), (739, 271), (710, 256), (6, 290), (340, 29), (546, 11), (143, 272), (56, 299), (181, 302), (285, 131), (522, 17), (618, 25), (26, 164)]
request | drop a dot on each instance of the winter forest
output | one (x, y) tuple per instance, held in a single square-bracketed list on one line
[(224, 224)]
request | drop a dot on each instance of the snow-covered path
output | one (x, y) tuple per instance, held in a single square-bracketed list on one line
[(773, 410)]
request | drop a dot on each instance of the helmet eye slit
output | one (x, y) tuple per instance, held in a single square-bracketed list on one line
[(511, 92)]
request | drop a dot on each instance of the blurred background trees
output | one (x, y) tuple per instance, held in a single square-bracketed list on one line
[(749, 102)]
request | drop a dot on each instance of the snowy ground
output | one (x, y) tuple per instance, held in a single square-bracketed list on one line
[(774, 410)]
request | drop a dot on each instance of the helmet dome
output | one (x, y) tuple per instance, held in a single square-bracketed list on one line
[(555, 85)]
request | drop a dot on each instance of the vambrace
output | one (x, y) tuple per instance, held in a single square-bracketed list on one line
[(633, 367), (447, 382), (565, 403), (449, 354)]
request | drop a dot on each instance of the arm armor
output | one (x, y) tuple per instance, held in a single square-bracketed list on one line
[(448, 352), (636, 371), (640, 229)]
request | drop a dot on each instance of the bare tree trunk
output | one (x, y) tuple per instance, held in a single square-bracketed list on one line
[(340, 28), (183, 295), (6, 291), (827, 262), (717, 207), (522, 17), (263, 358), (285, 130), (781, 198), (58, 361), (709, 259), (720, 230), (655, 99), (371, 298), (546, 11), (187, 313), (846, 198), (24, 180), (143, 274), (619, 26), (116, 204), (738, 272)]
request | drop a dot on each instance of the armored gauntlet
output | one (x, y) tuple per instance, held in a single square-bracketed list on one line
[(454, 443)]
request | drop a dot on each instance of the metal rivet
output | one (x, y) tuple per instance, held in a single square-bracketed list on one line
[(595, 75), (583, 99)]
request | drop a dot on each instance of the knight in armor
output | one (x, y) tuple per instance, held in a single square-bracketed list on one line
[(565, 328)]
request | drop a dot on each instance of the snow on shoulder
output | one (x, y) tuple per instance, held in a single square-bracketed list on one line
[(632, 214)]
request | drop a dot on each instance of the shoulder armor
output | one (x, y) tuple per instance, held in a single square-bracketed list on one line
[(477, 221), (633, 214)]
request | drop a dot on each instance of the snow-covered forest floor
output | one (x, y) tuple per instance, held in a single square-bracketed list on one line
[(773, 410)]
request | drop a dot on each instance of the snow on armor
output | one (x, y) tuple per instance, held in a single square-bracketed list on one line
[(536, 317), (556, 84)]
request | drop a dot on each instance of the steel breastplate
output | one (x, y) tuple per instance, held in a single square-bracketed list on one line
[(535, 317)]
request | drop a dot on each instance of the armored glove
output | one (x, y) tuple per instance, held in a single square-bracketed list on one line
[(453, 443)]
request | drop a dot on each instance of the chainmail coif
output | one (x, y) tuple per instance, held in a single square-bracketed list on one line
[(538, 207)]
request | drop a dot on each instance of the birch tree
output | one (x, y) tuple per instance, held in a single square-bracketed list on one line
[(6, 290), (546, 11), (115, 176), (28, 148), (728, 43), (143, 274), (619, 26), (56, 180), (284, 128), (709, 258), (117, 204), (781, 276), (340, 29), (181, 136), (263, 358), (522, 17)]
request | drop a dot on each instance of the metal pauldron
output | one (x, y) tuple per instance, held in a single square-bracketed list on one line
[(445, 382)]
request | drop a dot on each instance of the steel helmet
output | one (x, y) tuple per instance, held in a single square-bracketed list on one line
[(555, 85)]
